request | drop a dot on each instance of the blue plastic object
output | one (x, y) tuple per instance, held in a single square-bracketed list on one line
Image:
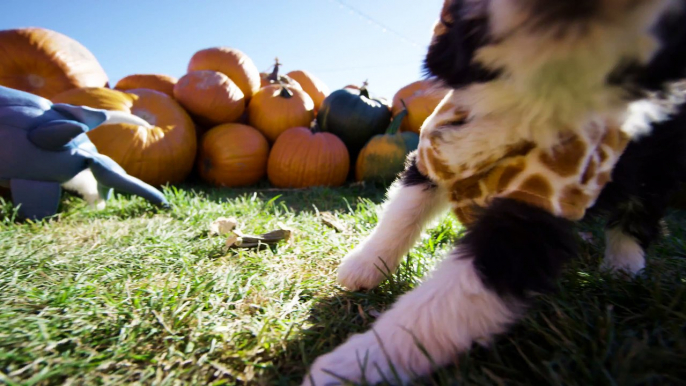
[(44, 146)]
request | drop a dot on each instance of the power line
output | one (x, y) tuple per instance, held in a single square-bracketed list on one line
[(380, 25)]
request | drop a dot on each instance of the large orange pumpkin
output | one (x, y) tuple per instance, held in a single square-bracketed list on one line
[(161, 154), (421, 98), (314, 87), (232, 63), (233, 154), (46, 63), (157, 82), (301, 158), (210, 96), (276, 108)]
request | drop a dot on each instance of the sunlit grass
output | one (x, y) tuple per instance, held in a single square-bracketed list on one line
[(132, 294)]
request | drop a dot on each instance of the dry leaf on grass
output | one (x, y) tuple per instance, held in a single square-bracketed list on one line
[(241, 240), (222, 226), (331, 221)]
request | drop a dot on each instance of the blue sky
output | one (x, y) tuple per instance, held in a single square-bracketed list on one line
[(340, 41)]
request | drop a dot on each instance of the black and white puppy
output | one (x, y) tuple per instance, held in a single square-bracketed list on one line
[(546, 95)]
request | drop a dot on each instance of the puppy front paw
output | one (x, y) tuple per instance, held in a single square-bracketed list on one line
[(364, 268), (360, 359)]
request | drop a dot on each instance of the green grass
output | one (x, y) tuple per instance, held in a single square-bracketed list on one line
[(132, 294)]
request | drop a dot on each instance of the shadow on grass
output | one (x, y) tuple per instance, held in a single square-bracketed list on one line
[(296, 200), (332, 320)]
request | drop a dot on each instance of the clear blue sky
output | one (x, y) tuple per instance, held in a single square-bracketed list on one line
[(338, 44)]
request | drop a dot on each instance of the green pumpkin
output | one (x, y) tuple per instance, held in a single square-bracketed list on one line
[(353, 116), (383, 157)]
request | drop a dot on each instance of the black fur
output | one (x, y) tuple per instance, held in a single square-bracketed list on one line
[(451, 54), (670, 62), (411, 176), (649, 172), (668, 65), (519, 248)]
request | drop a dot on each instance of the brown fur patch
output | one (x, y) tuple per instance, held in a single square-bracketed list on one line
[(574, 202), (439, 167), (535, 190), (565, 158), (509, 173), (602, 154), (603, 178), (465, 214), (467, 188)]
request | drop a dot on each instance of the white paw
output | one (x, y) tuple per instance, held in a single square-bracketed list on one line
[(359, 359), (364, 268), (623, 254)]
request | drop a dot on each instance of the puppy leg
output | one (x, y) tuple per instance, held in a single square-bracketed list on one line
[(412, 201), (476, 293), (649, 171)]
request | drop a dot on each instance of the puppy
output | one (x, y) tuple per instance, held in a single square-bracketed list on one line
[(547, 99)]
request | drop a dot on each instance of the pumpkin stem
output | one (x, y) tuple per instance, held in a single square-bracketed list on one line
[(363, 90), (314, 126), (274, 76), (285, 92), (397, 121)]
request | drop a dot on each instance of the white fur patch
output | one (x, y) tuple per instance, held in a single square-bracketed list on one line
[(622, 252), (401, 222), (445, 315), (85, 184)]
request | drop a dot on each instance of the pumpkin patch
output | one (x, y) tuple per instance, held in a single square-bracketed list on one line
[(232, 155), (157, 82), (161, 154), (315, 88), (383, 157), (277, 108), (420, 99), (46, 63), (210, 96), (304, 158), (232, 63), (353, 116)]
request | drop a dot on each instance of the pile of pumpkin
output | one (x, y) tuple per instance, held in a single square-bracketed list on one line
[(233, 123)]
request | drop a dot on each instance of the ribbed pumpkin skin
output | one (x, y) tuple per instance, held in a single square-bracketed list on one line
[(272, 112), (46, 63), (233, 155), (353, 117), (312, 85), (232, 63), (421, 99), (301, 158), (381, 159), (162, 154), (210, 96), (157, 82)]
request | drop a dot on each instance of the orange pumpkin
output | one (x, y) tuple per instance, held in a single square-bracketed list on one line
[(46, 63), (314, 87), (157, 82), (232, 63), (210, 96), (302, 158), (233, 154), (269, 78), (161, 154), (421, 99), (276, 108)]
